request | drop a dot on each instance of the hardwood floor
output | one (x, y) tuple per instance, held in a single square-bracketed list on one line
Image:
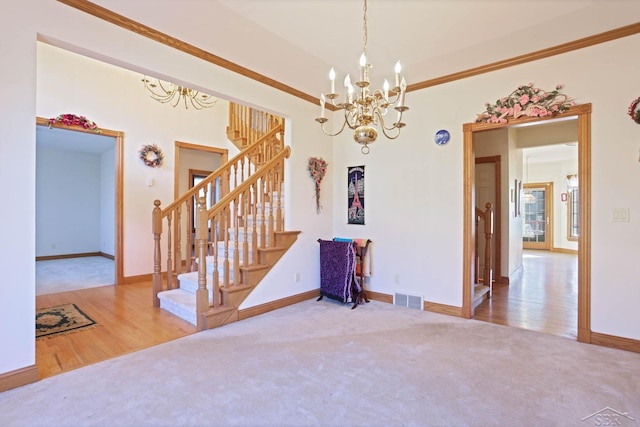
[(544, 299), (127, 322)]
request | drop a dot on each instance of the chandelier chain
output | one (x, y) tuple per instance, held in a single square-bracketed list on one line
[(364, 27)]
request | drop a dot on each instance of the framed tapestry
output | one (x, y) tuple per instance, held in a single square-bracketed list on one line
[(355, 195)]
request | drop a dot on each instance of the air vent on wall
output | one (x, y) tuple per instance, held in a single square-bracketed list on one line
[(406, 300)]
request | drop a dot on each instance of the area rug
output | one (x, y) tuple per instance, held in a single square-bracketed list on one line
[(61, 319)]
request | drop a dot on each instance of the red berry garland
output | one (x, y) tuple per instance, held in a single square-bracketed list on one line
[(634, 110)]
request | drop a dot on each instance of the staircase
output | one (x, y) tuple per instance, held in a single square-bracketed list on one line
[(237, 240), (483, 287)]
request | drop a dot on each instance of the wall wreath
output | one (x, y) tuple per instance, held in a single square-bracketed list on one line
[(634, 110), (151, 155)]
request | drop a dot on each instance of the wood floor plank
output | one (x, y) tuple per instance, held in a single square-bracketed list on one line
[(544, 299), (126, 321)]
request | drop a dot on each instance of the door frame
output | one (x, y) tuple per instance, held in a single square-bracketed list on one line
[(583, 114), (118, 255), (547, 245)]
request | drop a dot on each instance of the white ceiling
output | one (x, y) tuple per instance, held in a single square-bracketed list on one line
[(296, 42)]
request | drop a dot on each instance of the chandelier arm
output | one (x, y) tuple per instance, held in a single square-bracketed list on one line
[(332, 134)]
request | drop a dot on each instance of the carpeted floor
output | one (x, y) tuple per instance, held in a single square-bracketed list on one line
[(70, 274), (322, 364)]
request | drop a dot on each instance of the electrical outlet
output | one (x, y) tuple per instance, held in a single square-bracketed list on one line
[(296, 278), (397, 279)]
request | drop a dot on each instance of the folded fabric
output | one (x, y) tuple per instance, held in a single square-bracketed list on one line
[(342, 239), (365, 246)]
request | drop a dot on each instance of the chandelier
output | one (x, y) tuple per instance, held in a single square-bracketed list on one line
[(366, 109), (171, 93)]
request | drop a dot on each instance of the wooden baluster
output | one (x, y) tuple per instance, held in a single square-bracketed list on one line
[(169, 259), (245, 220), (479, 214), (178, 225), (225, 262), (216, 276), (156, 229), (488, 234), (254, 213), (270, 225), (202, 295), (279, 216), (263, 206), (189, 247), (236, 243)]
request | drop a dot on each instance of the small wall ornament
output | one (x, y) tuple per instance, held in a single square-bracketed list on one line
[(151, 155), (526, 100), (634, 111), (317, 168), (73, 120)]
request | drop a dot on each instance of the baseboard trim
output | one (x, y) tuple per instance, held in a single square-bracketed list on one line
[(274, 305), (613, 341), (18, 378), (516, 274), (449, 310), (86, 254), (378, 296), (128, 280), (565, 251), (111, 257)]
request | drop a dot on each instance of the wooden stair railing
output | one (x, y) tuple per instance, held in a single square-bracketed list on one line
[(257, 200), (247, 125), (487, 217), (177, 214)]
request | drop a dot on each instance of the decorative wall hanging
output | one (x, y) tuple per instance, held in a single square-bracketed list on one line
[(317, 168), (355, 195), (151, 155), (528, 101), (634, 111), (442, 137), (73, 120)]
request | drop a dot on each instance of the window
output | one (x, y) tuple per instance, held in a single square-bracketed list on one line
[(573, 205)]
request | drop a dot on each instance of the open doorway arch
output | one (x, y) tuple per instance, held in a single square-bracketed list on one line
[(119, 189), (583, 114)]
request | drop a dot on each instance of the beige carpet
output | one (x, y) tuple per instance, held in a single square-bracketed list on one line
[(71, 274), (322, 364)]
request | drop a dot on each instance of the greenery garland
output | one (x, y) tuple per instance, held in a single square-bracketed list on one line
[(151, 155)]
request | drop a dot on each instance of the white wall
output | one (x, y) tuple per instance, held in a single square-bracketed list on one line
[(422, 240), (414, 188), (67, 202)]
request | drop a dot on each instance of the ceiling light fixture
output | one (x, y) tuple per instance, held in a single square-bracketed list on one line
[(364, 111), (171, 93)]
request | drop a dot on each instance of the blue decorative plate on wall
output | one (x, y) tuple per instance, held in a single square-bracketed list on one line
[(442, 137)]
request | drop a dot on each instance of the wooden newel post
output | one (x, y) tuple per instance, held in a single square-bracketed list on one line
[(156, 228), (202, 296), (488, 234)]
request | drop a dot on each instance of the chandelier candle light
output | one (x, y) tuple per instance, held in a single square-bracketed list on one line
[(366, 110)]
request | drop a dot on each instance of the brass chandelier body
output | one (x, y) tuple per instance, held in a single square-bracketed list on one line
[(366, 110), (171, 93)]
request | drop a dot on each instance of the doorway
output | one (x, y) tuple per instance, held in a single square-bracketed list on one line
[(583, 115), (118, 141)]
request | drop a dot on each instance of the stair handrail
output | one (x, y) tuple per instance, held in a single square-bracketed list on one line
[(487, 217), (224, 168), (219, 214)]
